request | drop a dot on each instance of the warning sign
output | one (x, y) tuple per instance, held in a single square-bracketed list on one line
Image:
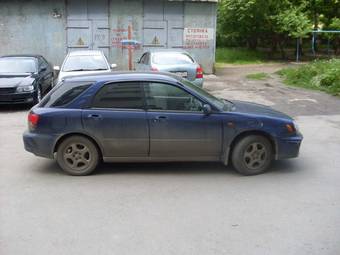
[(80, 42), (155, 41), (198, 38)]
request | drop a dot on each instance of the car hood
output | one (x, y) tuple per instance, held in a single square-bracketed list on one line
[(14, 80), (257, 109)]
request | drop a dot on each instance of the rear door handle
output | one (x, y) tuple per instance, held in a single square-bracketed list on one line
[(94, 116)]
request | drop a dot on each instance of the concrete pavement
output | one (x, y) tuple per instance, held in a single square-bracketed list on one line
[(185, 208)]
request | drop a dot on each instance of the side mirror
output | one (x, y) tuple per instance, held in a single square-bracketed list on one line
[(113, 66), (207, 109), (56, 68)]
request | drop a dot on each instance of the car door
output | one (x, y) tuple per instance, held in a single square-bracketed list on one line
[(117, 119), (178, 127)]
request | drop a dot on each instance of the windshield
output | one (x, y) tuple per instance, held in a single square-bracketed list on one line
[(171, 58), (85, 63), (219, 103), (17, 65)]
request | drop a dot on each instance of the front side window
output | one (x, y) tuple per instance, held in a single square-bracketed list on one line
[(166, 97), (17, 65), (85, 63), (127, 95), (43, 64)]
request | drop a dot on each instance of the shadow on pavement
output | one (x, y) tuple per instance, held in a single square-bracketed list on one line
[(183, 168), (14, 108)]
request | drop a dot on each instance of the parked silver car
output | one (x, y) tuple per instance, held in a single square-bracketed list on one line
[(84, 62), (173, 61)]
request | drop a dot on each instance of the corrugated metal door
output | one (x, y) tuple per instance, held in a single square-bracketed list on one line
[(174, 15), (163, 24), (88, 25)]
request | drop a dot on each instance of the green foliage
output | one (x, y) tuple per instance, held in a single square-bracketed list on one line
[(258, 76), (277, 22), (293, 22), (335, 24), (319, 75), (238, 56)]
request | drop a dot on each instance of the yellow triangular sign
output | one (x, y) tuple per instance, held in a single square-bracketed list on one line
[(80, 42), (155, 40)]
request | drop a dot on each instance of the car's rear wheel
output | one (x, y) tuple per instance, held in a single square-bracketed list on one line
[(77, 155), (252, 155)]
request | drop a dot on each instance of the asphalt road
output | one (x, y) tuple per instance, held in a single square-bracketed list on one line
[(171, 208)]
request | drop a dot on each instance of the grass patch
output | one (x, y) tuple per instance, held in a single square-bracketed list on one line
[(258, 76), (238, 56), (319, 75)]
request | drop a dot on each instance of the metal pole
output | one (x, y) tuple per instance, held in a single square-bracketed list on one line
[(297, 49), (129, 47), (328, 43)]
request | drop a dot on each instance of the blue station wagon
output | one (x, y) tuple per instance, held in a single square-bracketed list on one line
[(154, 117)]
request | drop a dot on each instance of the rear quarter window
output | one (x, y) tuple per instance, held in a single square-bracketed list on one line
[(64, 94)]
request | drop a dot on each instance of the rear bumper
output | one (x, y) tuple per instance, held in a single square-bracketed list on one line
[(41, 145), (17, 98), (288, 147)]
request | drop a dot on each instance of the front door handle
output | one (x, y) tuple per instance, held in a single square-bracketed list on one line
[(94, 116), (160, 118)]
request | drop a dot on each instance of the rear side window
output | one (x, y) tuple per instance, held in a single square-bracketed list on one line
[(127, 95), (64, 94), (171, 58)]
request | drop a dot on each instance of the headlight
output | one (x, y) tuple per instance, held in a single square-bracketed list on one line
[(27, 88), (292, 128), (296, 126)]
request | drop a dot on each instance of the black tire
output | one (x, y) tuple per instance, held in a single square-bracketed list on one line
[(77, 155), (252, 155)]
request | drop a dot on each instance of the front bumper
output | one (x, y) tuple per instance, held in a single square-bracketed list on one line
[(41, 145), (17, 98), (288, 147)]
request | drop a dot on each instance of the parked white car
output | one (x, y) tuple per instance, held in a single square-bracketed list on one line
[(84, 62)]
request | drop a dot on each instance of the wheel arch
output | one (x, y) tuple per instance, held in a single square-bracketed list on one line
[(243, 134), (65, 136)]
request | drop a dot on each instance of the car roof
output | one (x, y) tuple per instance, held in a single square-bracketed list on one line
[(124, 76), (22, 56), (168, 51), (86, 53)]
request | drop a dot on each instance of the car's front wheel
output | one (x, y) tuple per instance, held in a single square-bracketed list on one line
[(252, 155), (77, 155)]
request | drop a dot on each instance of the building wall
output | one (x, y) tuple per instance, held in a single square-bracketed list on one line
[(51, 28), (35, 26)]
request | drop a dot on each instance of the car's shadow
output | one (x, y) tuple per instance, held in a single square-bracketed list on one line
[(278, 167), (7, 108)]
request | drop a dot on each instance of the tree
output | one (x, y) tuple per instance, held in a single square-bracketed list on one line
[(335, 25)]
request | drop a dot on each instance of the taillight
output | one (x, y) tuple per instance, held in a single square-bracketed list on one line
[(33, 120), (154, 69), (199, 72)]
